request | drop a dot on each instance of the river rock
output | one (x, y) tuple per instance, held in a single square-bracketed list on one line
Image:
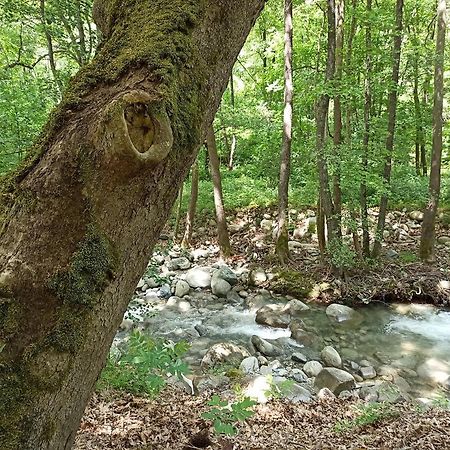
[(182, 288), (273, 315), (234, 298), (178, 303), (389, 392), (331, 357), (257, 276), (445, 240), (181, 263), (299, 357), (435, 371), (126, 325), (303, 337), (367, 372), (199, 277), (249, 365), (416, 215), (296, 393), (312, 368), (336, 380), (265, 347), (225, 273), (209, 382), (266, 225), (342, 313), (220, 287), (325, 394), (224, 352), (297, 307)]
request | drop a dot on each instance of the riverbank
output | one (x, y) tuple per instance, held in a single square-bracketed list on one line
[(398, 276)]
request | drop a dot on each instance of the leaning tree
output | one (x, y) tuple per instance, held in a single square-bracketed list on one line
[(80, 217)]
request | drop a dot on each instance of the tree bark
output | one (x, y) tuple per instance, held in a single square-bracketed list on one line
[(392, 115), (222, 229), (429, 217), (190, 215), (282, 248), (366, 136), (80, 217), (51, 53), (419, 138), (179, 210), (233, 134), (337, 111), (333, 227)]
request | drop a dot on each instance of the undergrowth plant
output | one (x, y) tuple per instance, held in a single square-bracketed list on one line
[(225, 415), (367, 414), (144, 366)]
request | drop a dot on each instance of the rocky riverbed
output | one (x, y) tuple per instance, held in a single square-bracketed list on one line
[(240, 330)]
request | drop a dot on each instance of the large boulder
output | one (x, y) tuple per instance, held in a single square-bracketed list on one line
[(341, 313), (336, 380), (224, 353), (199, 277), (297, 307), (273, 315)]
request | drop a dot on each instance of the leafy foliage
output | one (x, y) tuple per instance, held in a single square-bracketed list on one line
[(143, 368), (224, 414)]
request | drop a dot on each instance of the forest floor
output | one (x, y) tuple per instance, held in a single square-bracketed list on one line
[(172, 422), (399, 275), (119, 421)]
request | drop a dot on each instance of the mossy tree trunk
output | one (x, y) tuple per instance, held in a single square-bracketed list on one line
[(80, 218)]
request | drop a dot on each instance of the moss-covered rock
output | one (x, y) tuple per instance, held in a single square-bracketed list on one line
[(291, 282)]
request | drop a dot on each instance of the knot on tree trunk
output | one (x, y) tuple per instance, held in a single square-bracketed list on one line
[(135, 131)]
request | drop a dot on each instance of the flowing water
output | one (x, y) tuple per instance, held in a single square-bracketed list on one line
[(413, 340)]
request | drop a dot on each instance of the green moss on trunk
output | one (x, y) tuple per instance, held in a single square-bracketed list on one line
[(92, 266)]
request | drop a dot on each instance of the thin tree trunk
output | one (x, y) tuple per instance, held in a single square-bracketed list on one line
[(282, 248), (222, 229), (419, 138), (423, 152), (366, 137), (51, 53), (429, 218), (179, 211), (233, 134), (337, 138), (81, 34), (392, 115), (190, 215), (98, 189), (333, 228), (321, 235)]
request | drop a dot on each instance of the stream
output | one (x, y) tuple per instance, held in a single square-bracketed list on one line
[(410, 341)]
